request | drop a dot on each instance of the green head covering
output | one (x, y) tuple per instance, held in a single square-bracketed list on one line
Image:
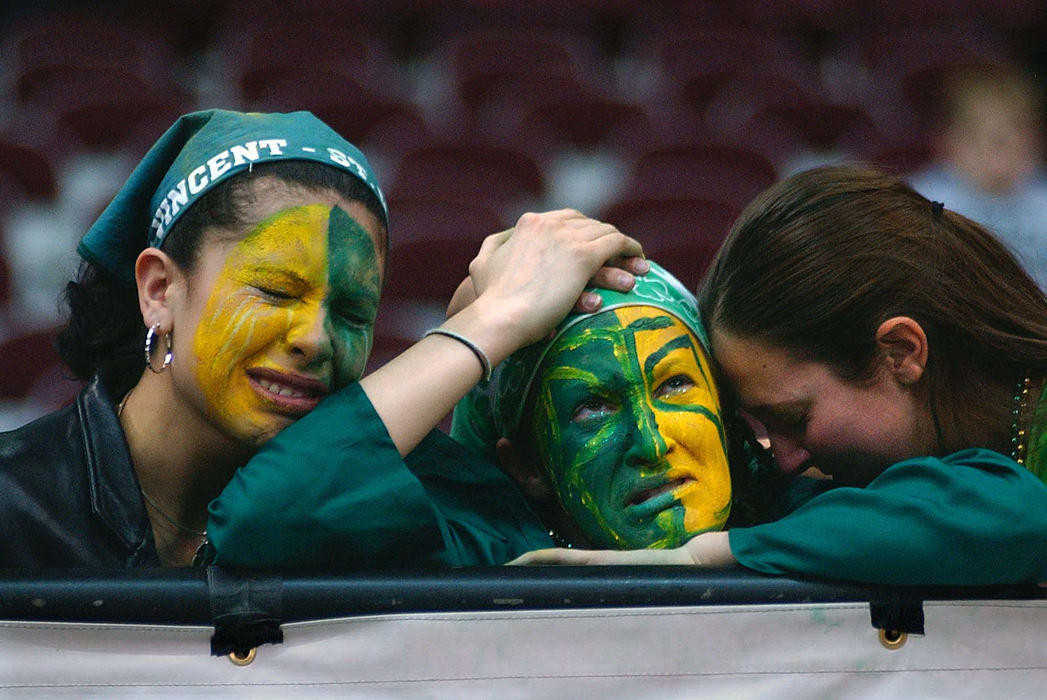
[(494, 409), (199, 151)]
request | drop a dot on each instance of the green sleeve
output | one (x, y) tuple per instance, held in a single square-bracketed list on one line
[(331, 491), (972, 518)]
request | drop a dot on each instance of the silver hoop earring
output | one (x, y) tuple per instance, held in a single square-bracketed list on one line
[(168, 354)]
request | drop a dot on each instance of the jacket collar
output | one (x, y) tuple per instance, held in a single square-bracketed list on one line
[(116, 496)]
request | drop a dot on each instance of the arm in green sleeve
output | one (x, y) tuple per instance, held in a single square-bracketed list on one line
[(329, 491), (972, 518), (332, 492)]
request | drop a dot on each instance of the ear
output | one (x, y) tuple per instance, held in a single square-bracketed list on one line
[(159, 281), (523, 472), (529, 477), (904, 345)]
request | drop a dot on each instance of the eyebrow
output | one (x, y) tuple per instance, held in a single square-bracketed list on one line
[(280, 272), (681, 342)]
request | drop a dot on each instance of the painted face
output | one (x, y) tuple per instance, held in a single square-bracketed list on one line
[(627, 419), (813, 419), (289, 318)]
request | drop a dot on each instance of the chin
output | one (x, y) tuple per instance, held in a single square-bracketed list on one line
[(257, 434)]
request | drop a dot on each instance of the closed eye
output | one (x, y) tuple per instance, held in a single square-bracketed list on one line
[(354, 320), (787, 424), (275, 294)]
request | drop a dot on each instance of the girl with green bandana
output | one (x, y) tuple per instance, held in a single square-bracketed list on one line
[(615, 429), (899, 348), (223, 318)]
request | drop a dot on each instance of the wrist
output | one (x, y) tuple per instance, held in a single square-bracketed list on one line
[(495, 330), (710, 549)]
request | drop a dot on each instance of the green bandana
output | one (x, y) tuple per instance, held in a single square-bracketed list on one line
[(493, 409), (199, 151)]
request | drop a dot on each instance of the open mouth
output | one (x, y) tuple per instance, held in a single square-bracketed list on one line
[(656, 495), (288, 393), (282, 389)]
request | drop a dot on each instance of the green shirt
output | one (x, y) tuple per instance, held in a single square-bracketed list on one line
[(973, 518), (332, 492)]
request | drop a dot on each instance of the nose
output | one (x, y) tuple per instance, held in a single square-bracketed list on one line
[(310, 335), (647, 445), (790, 456)]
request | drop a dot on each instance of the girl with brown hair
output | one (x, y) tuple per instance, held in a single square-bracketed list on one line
[(899, 348)]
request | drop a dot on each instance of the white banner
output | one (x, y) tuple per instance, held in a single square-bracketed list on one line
[(983, 649)]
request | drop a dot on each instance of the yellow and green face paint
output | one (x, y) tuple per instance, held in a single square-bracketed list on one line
[(628, 421), (289, 319)]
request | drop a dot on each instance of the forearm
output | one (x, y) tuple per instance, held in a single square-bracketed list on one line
[(972, 518), (415, 390), (712, 549), (330, 490)]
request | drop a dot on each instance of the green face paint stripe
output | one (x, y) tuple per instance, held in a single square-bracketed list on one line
[(341, 225), (650, 323), (660, 354), (351, 251), (683, 341), (716, 418), (628, 356)]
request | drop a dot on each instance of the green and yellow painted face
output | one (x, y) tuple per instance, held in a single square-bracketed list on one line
[(628, 421), (289, 319)]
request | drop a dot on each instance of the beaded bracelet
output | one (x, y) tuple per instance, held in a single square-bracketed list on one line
[(485, 362)]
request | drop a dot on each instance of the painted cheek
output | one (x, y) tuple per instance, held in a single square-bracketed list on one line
[(352, 347), (354, 270), (581, 468), (237, 324), (699, 454), (689, 434), (598, 480), (233, 329)]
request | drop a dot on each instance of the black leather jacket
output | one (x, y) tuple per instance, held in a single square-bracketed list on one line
[(69, 495)]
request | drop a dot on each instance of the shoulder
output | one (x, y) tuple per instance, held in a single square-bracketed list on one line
[(40, 441), (67, 485), (467, 488), (972, 479), (439, 456), (974, 462), (57, 448)]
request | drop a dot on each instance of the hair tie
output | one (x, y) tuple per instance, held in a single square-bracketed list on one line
[(936, 209)]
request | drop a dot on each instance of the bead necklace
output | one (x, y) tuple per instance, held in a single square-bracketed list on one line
[(559, 540), (1021, 400)]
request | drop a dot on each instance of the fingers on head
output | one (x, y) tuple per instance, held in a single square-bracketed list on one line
[(615, 244)]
